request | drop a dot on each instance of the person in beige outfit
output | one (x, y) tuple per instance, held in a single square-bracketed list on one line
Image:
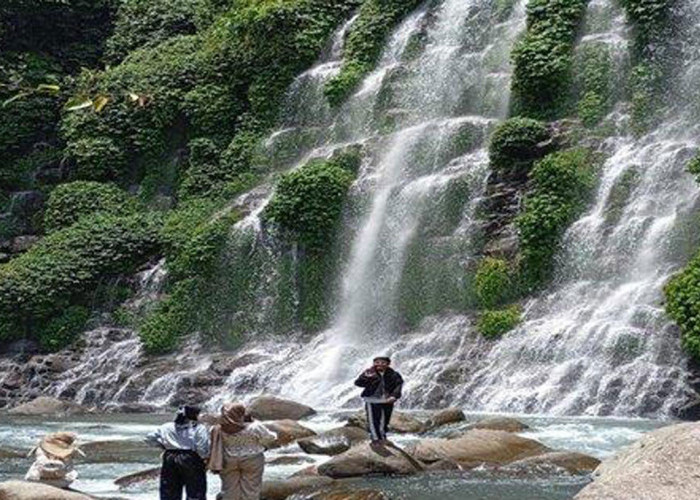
[(237, 454), (53, 460)]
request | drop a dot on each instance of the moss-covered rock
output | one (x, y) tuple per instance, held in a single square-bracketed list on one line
[(543, 59), (69, 202), (494, 323), (63, 268), (517, 143), (593, 76), (561, 182), (493, 282)]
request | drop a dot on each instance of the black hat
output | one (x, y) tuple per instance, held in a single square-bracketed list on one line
[(382, 358)]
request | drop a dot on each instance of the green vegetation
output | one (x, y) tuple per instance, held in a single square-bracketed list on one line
[(514, 145), (594, 84), (494, 323), (364, 44), (652, 58), (69, 202), (543, 59), (561, 183), (308, 203), (62, 330), (693, 167), (63, 268), (493, 282), (620, 195)]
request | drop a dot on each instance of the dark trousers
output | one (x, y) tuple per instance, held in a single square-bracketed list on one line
[(183, 469), (378, 417)]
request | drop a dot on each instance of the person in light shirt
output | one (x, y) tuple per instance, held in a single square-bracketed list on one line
[(186, 445), (237, 453)]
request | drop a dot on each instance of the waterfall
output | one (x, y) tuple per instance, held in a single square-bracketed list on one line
[(598, 342)]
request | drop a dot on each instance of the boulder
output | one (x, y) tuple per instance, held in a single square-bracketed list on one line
[(47, 406), (569, 461), (138, 477), (367, 458), (333, 442), (444, 417), (287, 432), (401, 422), (289, 460), (506, 424), (6, 453), (119, 450), (478, 447), (280, 490), (25, 490), (274, 408), (347, 493), (662, 465)]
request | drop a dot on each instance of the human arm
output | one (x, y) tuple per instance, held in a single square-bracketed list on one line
[(202, 441), (154, 438), (366, 377), (395, 393)]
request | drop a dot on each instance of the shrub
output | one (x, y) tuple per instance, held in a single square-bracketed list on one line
[(171, 319), (514, 144), (693, 167), (494, 323), (62, 330), (561, 182), (71, 201), (683, 305), (544, 57), (64, 267), (141, 22), (493, 282), (308, 202), (364, 44)]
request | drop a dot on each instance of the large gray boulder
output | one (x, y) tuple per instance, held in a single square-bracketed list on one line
[(366, 458), (444, 417), (47, 406), (478, 447), (274, 408), (25, 490), (662, 465), (280, 490), (506, 424), (334, 441), (570, 462), (139, 477)]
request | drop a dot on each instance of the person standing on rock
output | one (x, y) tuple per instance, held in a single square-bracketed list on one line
[(237, 453), (186, 445), (53, 460), (382, 388)]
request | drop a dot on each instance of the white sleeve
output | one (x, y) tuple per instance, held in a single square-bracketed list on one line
[(261, 431)]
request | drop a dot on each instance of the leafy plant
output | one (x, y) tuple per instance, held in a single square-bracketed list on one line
[(493, 282), (494, 323), (517, 143)]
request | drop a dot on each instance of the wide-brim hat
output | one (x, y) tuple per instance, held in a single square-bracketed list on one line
[(59, 444)]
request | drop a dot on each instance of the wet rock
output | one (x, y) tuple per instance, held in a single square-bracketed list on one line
[(663, 464), (287, 432), (569, 461), (8, 453), (119, 450), (138, 477), (401, 422), (690, 411), (367, 458), (443, 465), (274, 408), (139, 408), (280, 490), (289, 460), (224, 364), (444, 417), (47, 406), (311, 470), (505, 424), (333, 442), (477, 447), (24, 490), (346, 493)]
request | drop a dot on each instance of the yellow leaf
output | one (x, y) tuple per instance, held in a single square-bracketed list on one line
[(133, 97), (100, 103), (48, 87), (14, 98), (78, 103)]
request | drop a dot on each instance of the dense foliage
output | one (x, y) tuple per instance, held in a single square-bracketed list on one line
[(308, 203), (71, 201), (64, 267), (494, 323), (493, 282), (544, 57), (516, 144), (683, 305), (594, 83), (561, 183), (364, 43)]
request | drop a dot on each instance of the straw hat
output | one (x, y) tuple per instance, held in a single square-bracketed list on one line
[(59, 444)]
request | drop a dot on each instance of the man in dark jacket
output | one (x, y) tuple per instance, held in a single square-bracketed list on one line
[(382, 387)]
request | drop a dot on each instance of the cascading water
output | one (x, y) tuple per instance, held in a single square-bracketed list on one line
[(599, 342), (419, 186)]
